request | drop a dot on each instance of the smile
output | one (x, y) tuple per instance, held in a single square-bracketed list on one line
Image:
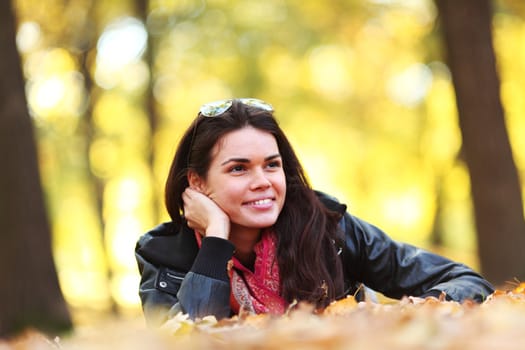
[(260, 202)]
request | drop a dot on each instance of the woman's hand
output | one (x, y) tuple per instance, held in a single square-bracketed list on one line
[(204, 215)]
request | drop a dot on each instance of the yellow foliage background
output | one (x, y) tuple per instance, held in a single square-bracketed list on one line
[(360, 87)]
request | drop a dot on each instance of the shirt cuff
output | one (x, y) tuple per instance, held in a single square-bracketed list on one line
[(213, 257)]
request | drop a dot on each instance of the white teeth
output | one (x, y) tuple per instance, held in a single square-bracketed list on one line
[(262, 201)]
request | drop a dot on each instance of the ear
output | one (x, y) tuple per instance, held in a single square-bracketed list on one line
[(195, 181)]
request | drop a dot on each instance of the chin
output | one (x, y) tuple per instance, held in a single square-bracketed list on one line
[(260, 223)]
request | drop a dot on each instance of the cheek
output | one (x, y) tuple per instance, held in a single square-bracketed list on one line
[(227, 193), (280, 182)]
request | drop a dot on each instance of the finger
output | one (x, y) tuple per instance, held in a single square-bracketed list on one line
[(187, 195), (191, 191)]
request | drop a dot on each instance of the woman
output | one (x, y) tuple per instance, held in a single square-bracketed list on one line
[(248, 232)]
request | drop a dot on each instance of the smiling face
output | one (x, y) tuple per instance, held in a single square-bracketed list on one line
[(246, 178)]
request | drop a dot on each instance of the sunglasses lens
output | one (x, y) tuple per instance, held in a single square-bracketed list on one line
[(216, 108), (213, 109), (254, 102)]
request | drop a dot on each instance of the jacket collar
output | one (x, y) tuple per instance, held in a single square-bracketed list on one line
[(170, 246)]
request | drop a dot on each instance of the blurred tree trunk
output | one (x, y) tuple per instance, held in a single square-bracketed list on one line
[(30, 294), (495, 185), (87, 43), (151, 111)]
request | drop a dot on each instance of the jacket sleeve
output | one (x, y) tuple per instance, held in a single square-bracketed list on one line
[(398, 269), (203, 291)]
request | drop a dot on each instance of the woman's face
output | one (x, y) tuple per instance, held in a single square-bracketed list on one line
[(246, 178)]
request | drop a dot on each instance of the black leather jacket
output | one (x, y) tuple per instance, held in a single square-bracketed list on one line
[(178, 276)]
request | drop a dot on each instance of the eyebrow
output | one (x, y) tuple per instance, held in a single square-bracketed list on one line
[(246, 160)]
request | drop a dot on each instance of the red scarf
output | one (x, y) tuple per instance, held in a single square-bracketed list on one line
[(257, 291)]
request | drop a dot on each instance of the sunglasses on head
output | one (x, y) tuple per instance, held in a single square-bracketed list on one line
[(217, 108)]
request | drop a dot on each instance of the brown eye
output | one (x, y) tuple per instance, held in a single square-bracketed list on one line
[(274, 164), (237, 168)]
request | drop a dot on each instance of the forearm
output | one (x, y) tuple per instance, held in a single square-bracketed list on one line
[(206, 288), (398, 269), (461, 283), (201, 296), (202, 291)]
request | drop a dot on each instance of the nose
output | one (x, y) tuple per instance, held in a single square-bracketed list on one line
[(260, 180)]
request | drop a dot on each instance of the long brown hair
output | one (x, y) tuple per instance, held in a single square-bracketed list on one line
[(309, 266)]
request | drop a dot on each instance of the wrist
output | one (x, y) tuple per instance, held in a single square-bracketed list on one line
[(218, 234), (219, 229)]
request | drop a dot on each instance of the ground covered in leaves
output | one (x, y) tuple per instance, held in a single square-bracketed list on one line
[(498, 323)]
